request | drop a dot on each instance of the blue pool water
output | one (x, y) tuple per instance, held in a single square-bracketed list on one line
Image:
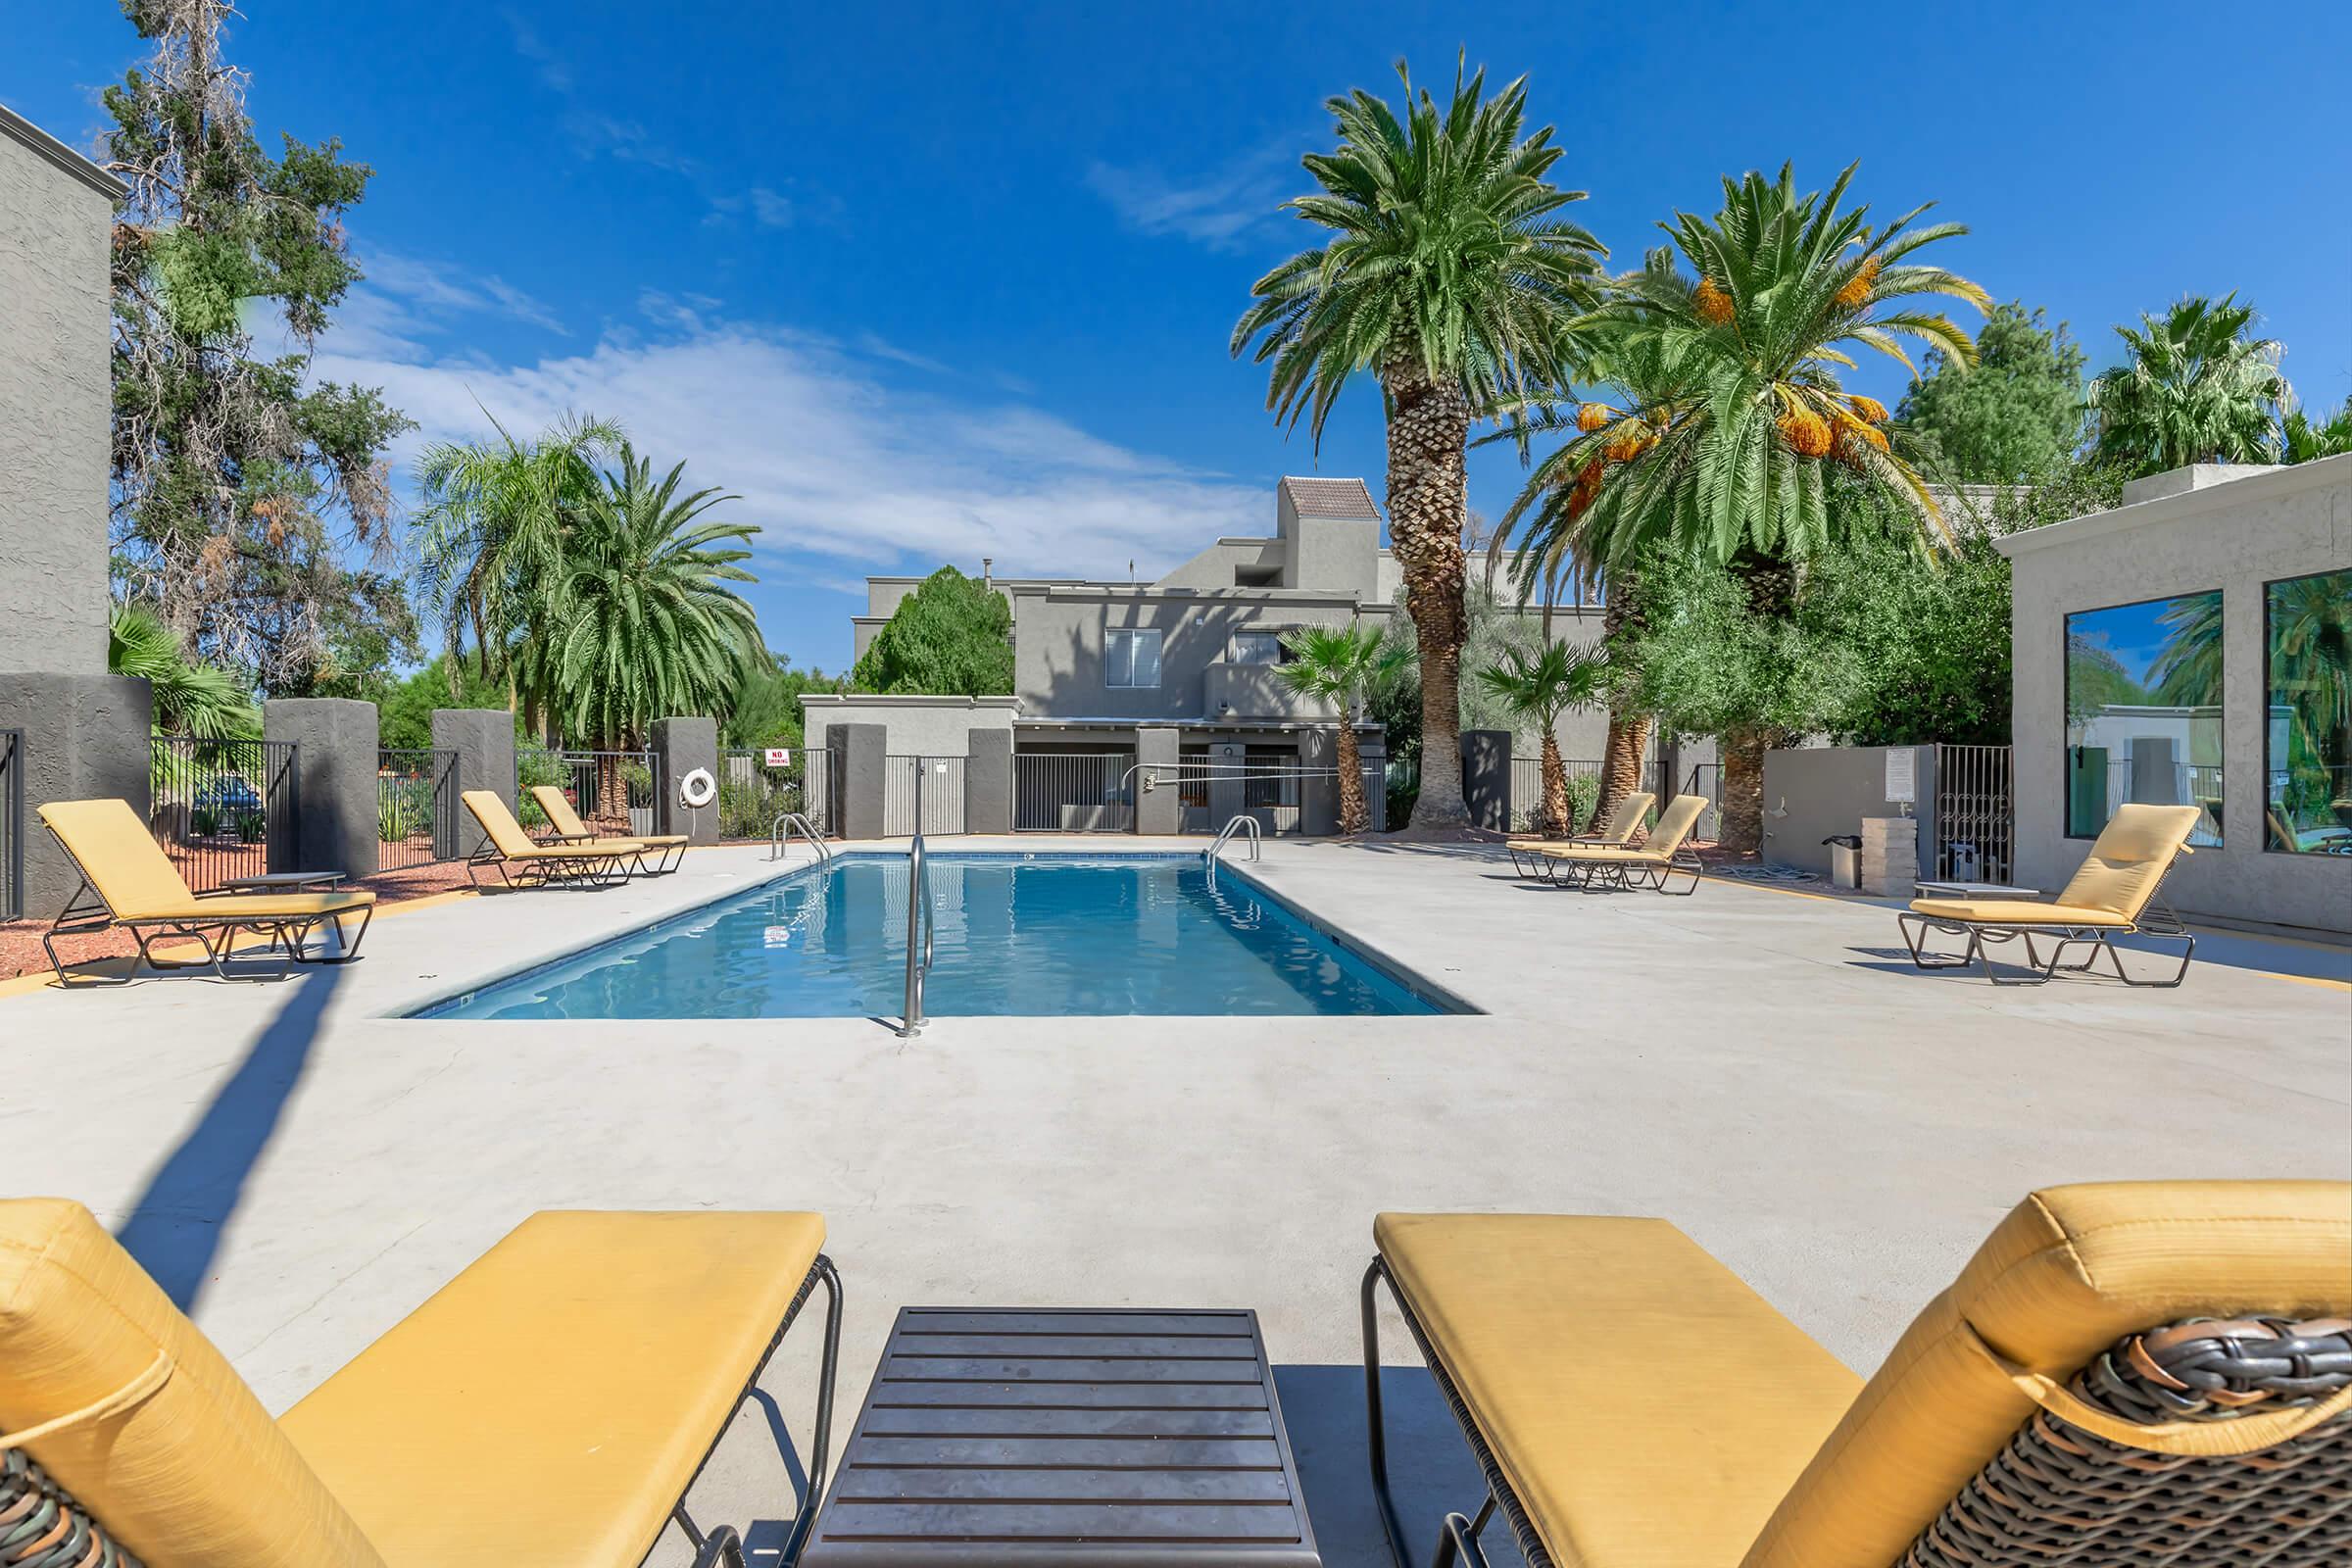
[(1025, 935)]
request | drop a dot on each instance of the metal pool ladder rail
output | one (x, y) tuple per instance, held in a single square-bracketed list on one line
[(1225, 835), (922, 931), (780, 831)]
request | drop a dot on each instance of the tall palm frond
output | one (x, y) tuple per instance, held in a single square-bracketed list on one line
[(2195, 388), (189, 698)]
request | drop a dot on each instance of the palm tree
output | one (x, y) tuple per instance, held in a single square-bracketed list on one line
[(1539, 688), (190, 698), (2303, 440), (1343, 666), (495, 520), (1452, 281), (640, 624), (2196, 389), (1726, 460)]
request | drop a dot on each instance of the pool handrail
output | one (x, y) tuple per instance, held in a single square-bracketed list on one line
[(922, 931), (1225, 835), (780, 831)]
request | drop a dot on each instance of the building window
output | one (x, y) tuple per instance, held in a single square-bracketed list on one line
[(1131, 656), (1255, 648), (2143, 711), (2307, 739), (1271, 776)]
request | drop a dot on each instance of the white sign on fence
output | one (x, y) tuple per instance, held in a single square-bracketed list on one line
[(779, 757), (1901, 784)]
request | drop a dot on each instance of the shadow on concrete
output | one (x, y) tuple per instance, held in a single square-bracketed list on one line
[(1430, 1467), (175, 1228), (764, 1539)]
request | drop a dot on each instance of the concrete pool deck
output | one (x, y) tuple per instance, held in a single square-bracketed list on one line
[(1761, 1067)]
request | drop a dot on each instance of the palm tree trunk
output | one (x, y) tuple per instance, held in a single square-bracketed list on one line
[(1555, 785), (1770, 585), (1356, 815), (612, 790), (1628, 726), (1429, 432)]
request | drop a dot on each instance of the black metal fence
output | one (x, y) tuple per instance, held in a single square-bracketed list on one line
[(1975, 832), (941, 795), (752, 792), (1077, 792), (11, 824), (223, 808), (415, 806), (614, 793), (1584, 789)]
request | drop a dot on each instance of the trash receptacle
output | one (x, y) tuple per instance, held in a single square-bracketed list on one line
[(1846, 860)]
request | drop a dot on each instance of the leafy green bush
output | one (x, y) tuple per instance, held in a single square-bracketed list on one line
[(403, 809), (747, 809), (536, 764), (252, 827), (205, 822)]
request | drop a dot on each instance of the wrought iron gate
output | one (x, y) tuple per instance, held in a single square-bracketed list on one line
[(1074, 792), (415, 806), (13, 768), (223, 808), (1975, 821)]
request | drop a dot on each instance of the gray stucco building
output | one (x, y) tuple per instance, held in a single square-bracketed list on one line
[(2188, 647)]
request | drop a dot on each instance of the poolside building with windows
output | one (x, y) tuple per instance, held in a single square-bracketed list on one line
[(2193, 646)]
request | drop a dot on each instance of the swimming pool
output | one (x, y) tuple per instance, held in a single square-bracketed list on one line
[(1031, 935)]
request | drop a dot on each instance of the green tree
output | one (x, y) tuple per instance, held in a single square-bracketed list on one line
[(2303, 441), (2017, 414), (497, 521), (1453, 280), (1538, 687), (404, 712), (645, 625), (190, 698), (242, 492), (1340, 665), (766, 709), (1733, 470), (952, 637), (2194, 388)]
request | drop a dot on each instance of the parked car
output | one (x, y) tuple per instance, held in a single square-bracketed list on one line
[(228, 796)]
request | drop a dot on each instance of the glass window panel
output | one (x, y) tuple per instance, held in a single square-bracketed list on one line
[(2307, 739), (1257, 648), (2143, 711), (1146, 658), (1130, 656)]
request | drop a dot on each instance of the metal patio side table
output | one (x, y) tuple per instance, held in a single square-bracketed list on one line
[(1001, 1438)]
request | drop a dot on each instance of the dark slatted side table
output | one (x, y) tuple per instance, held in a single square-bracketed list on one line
[(1015, 1436)]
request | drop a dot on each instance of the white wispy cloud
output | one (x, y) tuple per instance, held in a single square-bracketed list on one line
[(831, 456), (1216, 208), (444, 288)]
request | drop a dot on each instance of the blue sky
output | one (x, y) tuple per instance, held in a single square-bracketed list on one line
[(927, 284)]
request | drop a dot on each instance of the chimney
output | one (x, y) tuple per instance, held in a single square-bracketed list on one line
[(988, 571)]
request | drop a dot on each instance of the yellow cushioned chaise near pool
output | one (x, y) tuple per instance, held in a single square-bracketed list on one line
[(548, 1406), (1646, 1409)]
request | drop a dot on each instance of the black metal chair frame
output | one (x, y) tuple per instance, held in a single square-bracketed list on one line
[(601, 869), (722, 1546), (670, 856), (2156, 921), (1605, 875), (88, 913), (1459, 1535)]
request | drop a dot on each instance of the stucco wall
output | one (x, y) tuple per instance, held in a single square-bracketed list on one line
[(2236, 536), (1214, 567), (1057, 646), (1814, 791), (55, 406), (929, 727)]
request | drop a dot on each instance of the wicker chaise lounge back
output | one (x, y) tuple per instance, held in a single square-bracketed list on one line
[(548, 1408), (2126, 1374)]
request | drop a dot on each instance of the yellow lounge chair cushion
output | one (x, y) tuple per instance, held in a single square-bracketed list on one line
[(1648, 1407), (2015, 912), (1621, 825), (2072, 1270), (550, 1404), (1601, 852), (193, 1474), (566, 822), (2129, 856)]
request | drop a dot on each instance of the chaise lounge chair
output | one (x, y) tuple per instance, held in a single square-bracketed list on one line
[(598, 865), (570, 829), (1663, 855), (130, 884), (2113, 894), (2126, 1373), (550, 1407), (1623, 823)]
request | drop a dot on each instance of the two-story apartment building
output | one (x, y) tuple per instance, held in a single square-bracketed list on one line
[(1107, 673)]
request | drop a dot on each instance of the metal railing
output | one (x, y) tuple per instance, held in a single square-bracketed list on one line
[(786, 825), (614, 792), (1584, 789), (1706, 778), (753, 792), (1225, 836), (13, 766), (1258, 786), (415, 806), (224, 808), (1073, 792), (1973, 822), (922, 931), (913, 802)]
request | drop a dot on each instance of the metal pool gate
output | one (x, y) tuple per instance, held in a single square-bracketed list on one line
[(1974, 824), (223, 808), (415, 806), (753, 792), (1527, 788), (941, 794), (1077, 792), (11, 824)]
